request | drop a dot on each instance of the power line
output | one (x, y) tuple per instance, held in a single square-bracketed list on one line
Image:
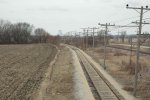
[(122, 27), (146, 18), (125, 19)]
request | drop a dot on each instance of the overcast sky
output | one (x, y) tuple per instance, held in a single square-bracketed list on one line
[(71, 15)]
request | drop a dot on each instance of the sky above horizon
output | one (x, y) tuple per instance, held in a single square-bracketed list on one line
[(71, 15)]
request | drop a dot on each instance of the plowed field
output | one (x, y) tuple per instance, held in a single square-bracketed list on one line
[(22, 68)]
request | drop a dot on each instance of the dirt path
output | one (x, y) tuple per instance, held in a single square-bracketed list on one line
[(59, 82)]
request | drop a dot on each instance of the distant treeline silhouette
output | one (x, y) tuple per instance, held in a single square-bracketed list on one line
[(21, 33)]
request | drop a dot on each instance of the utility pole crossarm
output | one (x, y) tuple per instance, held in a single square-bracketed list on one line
[(94, 28), (139, 22), (107, 24), (137, 8), (126, 26)]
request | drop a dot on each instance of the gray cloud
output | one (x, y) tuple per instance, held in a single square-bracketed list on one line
[(138, 2), (59, 9), (69, 14), (133, 3), (3, 1), (54, 8)]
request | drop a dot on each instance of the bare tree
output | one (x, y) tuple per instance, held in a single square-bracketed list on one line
[(22, 32), (41, 35), (5, 32)]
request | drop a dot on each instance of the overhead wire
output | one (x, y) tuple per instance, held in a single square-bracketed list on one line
[(125, 19), (123, 28)]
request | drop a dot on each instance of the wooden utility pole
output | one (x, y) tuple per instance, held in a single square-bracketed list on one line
[(130, 51), (70, 33), (84, 32), (120, 26), (138, 43), (131, 41), (118, 36), (87, 34), (94, 28), (80, 40), (105, 37), (105, 40)]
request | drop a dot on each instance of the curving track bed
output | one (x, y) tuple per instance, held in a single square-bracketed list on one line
[(101, 88), (22, 68)]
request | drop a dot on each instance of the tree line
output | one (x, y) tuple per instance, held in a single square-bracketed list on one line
[(21, 33)]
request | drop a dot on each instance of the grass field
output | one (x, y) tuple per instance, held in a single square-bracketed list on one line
[(22, 68)]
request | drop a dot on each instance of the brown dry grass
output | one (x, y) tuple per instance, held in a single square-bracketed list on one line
[(128, 88), (143, 66), (119, 54), (101, 50), (119, 66)]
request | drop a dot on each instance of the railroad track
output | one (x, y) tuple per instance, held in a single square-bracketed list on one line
[(116, 47), (101, 88)]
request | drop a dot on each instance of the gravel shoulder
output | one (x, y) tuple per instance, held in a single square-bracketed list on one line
[(60, 81)]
